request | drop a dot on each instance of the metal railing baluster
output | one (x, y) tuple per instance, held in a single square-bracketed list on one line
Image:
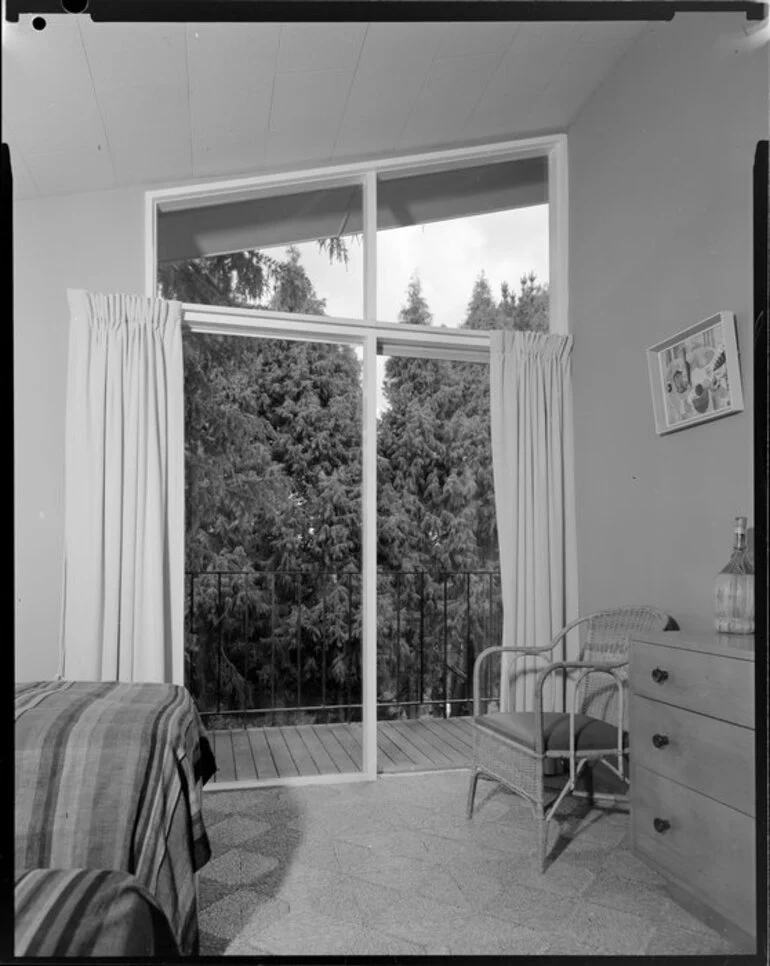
[(219, 650), (430, 683), (299, 639)]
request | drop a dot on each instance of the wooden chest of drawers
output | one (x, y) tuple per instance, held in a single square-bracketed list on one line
[(692, 772)]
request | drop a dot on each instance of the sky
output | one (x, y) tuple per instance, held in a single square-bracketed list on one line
[(447, 256)]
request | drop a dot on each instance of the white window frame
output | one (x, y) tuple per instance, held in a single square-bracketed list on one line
[(369, 333)]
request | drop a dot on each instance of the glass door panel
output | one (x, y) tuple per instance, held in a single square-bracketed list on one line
[(273, 553)]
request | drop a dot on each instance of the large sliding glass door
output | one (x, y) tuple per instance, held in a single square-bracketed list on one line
[(302, 609)]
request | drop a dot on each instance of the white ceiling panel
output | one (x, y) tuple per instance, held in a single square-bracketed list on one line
[(469, 39), (300, 144), (426, 130), (228, 153), (130, 54), (312, 98), (382, 96), (368, 137), (131, 111), (156, 156), (245, 109), (536, 53), (231, 81), (454, 85), (397, 47), (503, 124), (148, 131), (320, 46), (222, 44)]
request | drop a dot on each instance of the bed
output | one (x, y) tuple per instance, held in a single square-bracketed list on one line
[(109, 777), (88, 912)]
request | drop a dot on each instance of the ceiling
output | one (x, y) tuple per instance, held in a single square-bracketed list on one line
[(89, 106)]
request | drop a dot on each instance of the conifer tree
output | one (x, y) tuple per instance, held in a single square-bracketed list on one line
[(272, 459)]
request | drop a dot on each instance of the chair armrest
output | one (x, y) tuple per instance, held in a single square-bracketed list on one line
[(498, 649)]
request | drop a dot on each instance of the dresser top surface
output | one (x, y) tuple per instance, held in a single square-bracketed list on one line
[(740, 646)]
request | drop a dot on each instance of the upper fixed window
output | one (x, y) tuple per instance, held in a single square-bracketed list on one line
[(287, 250), (460, 230)]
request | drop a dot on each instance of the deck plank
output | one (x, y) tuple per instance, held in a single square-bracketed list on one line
[(346, 736), (412, 732), (390, 758), (434, 748), (245, 769), (337, 752), (280, 752), (395, 730), (454, 745), (260, 749), (461, 726), (298, 750), (224, 756), (324, 762)]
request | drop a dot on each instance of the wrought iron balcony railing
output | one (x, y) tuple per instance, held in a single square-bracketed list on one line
[(285, 646)]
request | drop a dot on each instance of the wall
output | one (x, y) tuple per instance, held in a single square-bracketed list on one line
[(93, 241), (661, 237)]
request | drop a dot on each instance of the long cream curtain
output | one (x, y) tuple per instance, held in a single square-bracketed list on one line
[(532, 456), (122, 608)]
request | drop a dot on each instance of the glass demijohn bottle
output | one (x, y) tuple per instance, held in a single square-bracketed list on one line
[(734, 588)]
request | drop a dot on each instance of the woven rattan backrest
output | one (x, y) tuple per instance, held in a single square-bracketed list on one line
[(606, 640)]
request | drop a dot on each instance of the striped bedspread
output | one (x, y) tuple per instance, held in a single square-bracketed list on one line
[(109, 776), (87, 912)]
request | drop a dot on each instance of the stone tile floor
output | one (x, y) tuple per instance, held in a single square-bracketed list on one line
[(393, 867)]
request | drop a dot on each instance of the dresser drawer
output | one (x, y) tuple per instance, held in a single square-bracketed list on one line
[(707, 846), (706, 754), (707, 683)]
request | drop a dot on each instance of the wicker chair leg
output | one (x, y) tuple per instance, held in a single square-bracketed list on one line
[(472, 792), (542, 837)]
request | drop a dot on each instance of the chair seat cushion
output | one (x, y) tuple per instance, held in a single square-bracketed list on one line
[(591, 734)]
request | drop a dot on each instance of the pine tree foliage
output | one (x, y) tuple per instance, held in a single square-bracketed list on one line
[(436, 513), (273, 482), (273, 490)]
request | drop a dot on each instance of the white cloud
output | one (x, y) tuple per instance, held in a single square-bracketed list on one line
[(447, 256)]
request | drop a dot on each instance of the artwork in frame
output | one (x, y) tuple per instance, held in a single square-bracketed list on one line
[(695, 374)]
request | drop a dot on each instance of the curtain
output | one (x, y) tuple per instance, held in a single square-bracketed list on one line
[(122, 606), (532, 458)]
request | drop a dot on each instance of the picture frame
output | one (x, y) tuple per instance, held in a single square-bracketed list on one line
[(695, 375)]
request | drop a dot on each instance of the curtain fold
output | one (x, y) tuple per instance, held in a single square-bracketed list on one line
[(532, 457), (123, 596)]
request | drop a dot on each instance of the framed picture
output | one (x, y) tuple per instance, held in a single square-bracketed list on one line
[(695, 375)]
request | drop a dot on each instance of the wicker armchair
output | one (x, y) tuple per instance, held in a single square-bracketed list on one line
[(513, 747)]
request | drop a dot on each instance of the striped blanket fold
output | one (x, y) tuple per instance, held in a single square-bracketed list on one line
[(109, 776), (87, 912)]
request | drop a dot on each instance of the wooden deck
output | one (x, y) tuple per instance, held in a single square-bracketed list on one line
[(425, 744)]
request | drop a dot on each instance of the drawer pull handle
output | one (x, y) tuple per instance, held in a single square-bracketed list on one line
[(659, 675), (660, 741), (661, 824)]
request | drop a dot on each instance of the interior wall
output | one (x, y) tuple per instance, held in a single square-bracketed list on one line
[(93, 241), (660, 238)]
